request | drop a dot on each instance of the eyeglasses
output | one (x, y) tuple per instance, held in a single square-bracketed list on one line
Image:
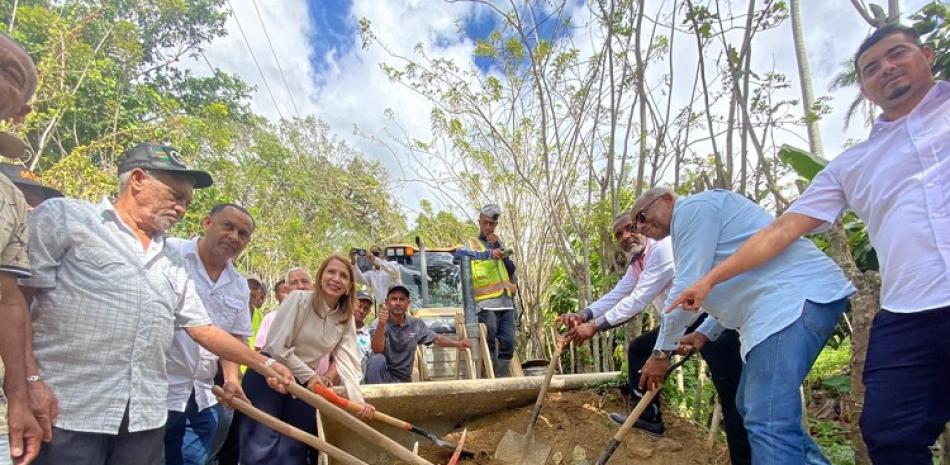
[(641, 216)]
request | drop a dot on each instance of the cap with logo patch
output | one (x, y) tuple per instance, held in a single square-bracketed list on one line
[(151, 156)]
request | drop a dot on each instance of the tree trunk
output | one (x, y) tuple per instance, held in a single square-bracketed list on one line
[(864, 306), (804, 75)]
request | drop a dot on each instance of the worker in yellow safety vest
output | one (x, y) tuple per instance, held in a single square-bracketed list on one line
[(494, 284)]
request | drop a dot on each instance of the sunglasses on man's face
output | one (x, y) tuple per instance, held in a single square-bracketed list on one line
[(641, 216)]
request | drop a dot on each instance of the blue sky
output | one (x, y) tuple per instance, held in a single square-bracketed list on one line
[(329, 74)]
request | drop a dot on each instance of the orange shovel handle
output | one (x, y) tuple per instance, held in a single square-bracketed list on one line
[(356, 407)]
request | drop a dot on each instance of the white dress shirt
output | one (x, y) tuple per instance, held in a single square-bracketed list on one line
[(898, 182), (648, 279), (190, 366), (379, 280)]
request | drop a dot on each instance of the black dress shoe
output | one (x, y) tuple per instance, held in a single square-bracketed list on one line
[(654, 428)]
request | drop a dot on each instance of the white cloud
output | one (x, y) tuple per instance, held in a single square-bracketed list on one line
[(351, 90)]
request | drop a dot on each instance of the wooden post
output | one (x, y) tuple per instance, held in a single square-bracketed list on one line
[(486, 355), (700, 380), (714, 425), (514, 369), (573, 362), (322, 459), (469, 358), (556, 353)]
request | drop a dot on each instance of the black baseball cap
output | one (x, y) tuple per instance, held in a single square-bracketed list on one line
[(160, 157), (360, 295), (28, 182), (398, 287)]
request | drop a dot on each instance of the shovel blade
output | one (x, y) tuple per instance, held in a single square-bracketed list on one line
[(518, 449)]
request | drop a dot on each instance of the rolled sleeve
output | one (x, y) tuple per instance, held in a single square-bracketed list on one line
[(823, 200), (13, 235)]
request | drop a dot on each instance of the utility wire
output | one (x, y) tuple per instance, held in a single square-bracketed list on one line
[(254, 58), (273, 53)]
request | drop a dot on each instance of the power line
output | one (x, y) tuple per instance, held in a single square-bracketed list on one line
[(254, 58), (277, 61)]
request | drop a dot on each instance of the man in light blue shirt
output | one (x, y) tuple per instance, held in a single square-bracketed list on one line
[(898, 182), (784, 311)]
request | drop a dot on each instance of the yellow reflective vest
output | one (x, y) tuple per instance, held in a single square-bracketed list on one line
[(489, 277)]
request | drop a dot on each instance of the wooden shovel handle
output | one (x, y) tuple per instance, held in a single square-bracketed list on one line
[(548, 374), (287, 430), (356, 407), (327, 408)]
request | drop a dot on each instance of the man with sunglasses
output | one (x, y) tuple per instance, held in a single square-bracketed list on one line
[(783, 311), (647, 280)]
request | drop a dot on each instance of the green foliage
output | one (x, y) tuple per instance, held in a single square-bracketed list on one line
[(109, 78), (805, 163), (831, 363), (932, 22), (440, 229)]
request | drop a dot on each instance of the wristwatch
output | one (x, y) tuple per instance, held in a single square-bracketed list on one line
[(660, 354), (33, 379)]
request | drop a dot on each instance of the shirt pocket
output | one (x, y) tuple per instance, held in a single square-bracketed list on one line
[(99, 267)]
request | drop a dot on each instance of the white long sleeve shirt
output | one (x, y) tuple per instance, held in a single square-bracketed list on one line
[(648, 279)]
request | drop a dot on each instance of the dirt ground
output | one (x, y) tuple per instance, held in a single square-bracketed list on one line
[(577, 422)]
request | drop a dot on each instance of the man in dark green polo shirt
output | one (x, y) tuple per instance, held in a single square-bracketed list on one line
[(395, 336)]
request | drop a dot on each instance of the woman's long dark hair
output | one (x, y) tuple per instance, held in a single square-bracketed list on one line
[(347, 301)]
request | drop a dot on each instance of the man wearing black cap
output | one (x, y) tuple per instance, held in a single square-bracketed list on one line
[(395, 337), (107, 297)]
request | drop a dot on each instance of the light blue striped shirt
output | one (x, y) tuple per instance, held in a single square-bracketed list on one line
[(709, 227)]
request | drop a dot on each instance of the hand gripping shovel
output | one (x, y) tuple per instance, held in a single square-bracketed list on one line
[(521, 449), (287, 430), (370, 435), (355, 407), (635, 414)]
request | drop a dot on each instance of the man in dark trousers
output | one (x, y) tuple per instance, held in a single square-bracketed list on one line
[(647, 280)]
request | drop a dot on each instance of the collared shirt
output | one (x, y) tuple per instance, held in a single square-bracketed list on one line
[(709, 227), (13, 254), (647, 280), (301, 335), (379, 280), (401, 342), (104, 315), (898, 182), (191, 367)]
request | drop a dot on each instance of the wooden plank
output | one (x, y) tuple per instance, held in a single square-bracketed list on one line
[(486, 355), (322, 459), (462, 332), (515, 368)]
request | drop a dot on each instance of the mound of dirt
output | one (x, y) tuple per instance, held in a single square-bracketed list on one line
[(573, 422)]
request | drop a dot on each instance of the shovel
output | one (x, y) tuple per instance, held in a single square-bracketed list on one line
[(635, 414), (287, 430), (522, 449), (381, 417)]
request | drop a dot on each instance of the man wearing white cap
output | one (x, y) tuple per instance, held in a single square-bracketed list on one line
[(494, 285)]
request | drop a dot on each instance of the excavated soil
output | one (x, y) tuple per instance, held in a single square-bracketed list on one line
[(574, 422)]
